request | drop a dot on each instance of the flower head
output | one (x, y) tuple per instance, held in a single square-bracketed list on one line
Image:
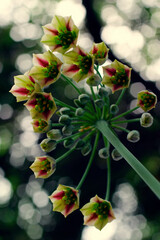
[(97, 212), (43, 167), (46, 68), (100, 52), (146, 100), (78, 64), (116, 76), (40, 125), (61, 34), (41, 106), (25, 85), (65, 200)]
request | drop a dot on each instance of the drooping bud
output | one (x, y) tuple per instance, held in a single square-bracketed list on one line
[(133, 136), (146, 120), (103, 153), (86, 149), (84, 98), (67, 130), (104, 92), (48, 145), (79, 112), (77, 103), (99, 103), (79, 144), (68, 143), (65, 119), (114, 109), (64, 110), (94, 80), (116, 155), (54, 134)]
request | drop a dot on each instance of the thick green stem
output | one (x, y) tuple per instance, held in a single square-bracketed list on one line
[(71, 83), (148, 178), (90, 162)]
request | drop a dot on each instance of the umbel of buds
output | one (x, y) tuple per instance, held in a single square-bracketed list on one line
[(89, 124)]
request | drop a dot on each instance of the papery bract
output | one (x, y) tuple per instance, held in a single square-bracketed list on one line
[(65, 199), (41, 106), (78, 64), (46, 68), (25, 85), (116, 76), (146, 100), (100, 52), (43, 167), (61, 34), (97, 212)]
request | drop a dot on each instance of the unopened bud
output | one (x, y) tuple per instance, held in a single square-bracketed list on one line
[(65, 119), (84, 98), (94, 80), (146, 120), (77, 103), (133, 136), (68, 143), (103, 153), (79, 112), (79, 144), (116, 155), (48, 145), (104, 92), (114, 109), (86, 149), (54, 134), (99, 103), (64, 110), (67, 130)]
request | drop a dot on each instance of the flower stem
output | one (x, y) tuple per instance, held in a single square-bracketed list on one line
[(120, 96), (107, 145), (94, 98), (65, 155), (126, 121), (121, 128), (147, 177), (71, 83), (90, 162), (125, 113), (62, 104)]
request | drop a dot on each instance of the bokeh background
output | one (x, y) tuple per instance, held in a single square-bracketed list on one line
[(131, 29)]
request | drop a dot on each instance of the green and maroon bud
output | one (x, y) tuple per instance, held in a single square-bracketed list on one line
[(40, 125), (146, 100), (104, 92), (84, 98), (79, 112), (67, 130), (114, 109)]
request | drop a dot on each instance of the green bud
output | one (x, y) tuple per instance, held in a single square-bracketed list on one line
[(67, 130), (54, 134), (133, 136), (68, 143), (114, 109), (65, 119), (146, 120), (103, 153), (116, 155), (48, 145), (79, 112), (64, 110), (84, 98), (104, 92), (77, 103), (79, 144), (94, 80), (86, 149), (99, 103)]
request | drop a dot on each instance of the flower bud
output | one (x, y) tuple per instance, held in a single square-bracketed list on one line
[(103, 153), (84, 98), (48, 145), (146, 120), (68, 143), (99, 103), (77, 103), (94, 80), (54, 134), (114, 109), (104, 92), (116, 155), (65, 119), (79, 112), (79, 144), (133, 136), (86, 149), (67, 130), (64, 110)]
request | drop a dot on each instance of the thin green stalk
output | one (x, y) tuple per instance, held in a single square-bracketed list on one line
[(57, 124), (65, 155), (62, 104), (147, 177), (94, 98), (71, 136), (71, 83), (126, 121), (121, 128), (90, 162), (96, 68), (125, 113), (120, 96)]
